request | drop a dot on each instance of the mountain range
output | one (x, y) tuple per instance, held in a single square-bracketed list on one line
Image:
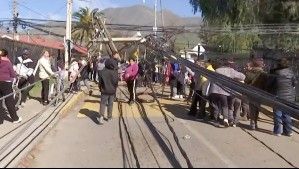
[(134, 15)]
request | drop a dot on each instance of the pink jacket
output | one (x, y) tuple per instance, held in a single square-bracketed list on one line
[(131, 72)]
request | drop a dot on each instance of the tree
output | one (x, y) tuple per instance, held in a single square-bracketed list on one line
[(83, 29), (227, 19)]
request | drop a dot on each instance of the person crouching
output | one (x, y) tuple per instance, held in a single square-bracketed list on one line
[(108, 83)]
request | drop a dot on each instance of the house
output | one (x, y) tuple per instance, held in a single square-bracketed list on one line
[(192, 54), (27, 40)]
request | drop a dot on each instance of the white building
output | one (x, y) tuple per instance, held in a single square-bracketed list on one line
[(192, 54)]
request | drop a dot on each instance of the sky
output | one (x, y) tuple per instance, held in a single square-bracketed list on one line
[(56, 9)]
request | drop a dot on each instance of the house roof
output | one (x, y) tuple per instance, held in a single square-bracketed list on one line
[(37, 40)]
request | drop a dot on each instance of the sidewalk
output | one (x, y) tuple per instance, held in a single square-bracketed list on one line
[(24, 141)]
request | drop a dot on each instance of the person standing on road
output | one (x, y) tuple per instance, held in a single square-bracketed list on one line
[(257, 78), (219, 96), (108, 83), (7, 74), (45, 72), (131, 75), (84, 74), (282, 82), (24, 67), (100, 66)]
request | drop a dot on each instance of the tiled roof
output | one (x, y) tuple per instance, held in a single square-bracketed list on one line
[(37, 40)]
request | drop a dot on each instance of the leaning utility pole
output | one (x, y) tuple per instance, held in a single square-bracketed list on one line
[(68, 34)]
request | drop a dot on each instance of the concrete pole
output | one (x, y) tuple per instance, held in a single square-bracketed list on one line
[(155, 29), (68, 34)]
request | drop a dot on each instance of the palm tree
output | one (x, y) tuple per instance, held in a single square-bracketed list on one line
[(83, 29)]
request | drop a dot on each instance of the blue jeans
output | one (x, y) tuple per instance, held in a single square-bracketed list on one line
[(282, 119), (60, 81)]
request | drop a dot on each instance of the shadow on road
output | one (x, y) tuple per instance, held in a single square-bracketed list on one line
[(91, 114)]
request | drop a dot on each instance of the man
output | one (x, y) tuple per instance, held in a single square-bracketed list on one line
[(108, 82), (24, 67), (131, 74)]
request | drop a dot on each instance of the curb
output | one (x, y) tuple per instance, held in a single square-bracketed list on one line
[(72, 102)]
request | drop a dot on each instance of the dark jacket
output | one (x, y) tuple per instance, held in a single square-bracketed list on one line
[(282, 84), (84, 72), (257, 78), (108, 79)]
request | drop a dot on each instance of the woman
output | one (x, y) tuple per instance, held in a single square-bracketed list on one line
[(131, 75), (45, 72), (282, 82), (7, 75)]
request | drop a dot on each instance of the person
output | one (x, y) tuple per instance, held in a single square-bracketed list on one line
[(181, 82), (173, 80), (162, 72), (61, 74), (219, 96), (234, 103), (24, 67), (95, 70), (131, 74), (7, 74), (84, 74), (100, 66), (120, 71), (257, 78), (200, 95), (282, 83), (108, 82), (74, 75), (45, 72)]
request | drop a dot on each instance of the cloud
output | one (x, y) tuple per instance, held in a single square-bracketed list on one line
[(101, 4)]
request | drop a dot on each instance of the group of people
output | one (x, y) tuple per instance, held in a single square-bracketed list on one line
[(280, 82), (24, 70)]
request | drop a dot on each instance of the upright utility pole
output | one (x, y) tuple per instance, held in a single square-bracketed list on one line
[(68, 34), (155, 27), (162, 14), (15, 26), (15, 19)]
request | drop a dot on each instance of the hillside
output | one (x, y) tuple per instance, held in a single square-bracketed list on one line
[(135, 15)]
